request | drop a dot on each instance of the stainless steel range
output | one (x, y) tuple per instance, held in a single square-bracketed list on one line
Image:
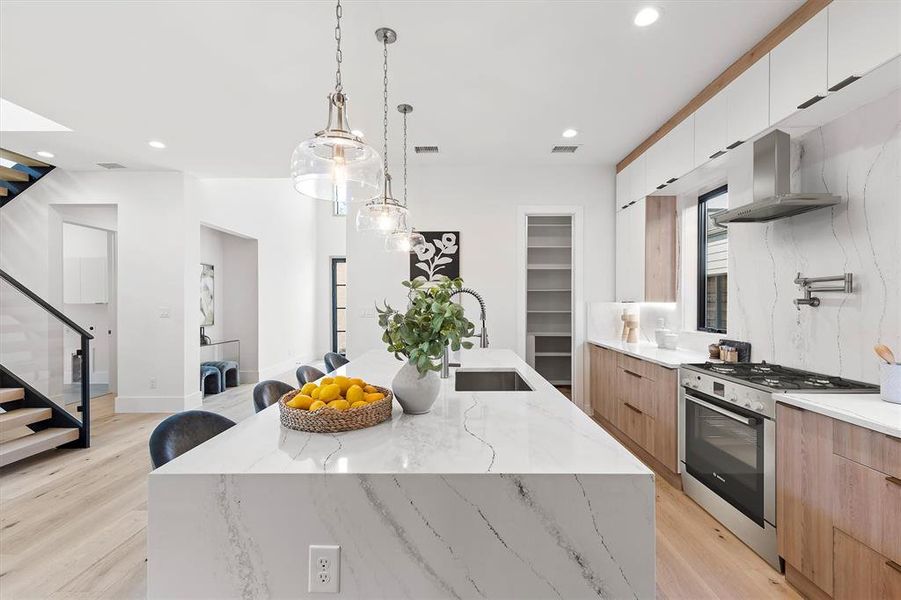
[(727, 441)]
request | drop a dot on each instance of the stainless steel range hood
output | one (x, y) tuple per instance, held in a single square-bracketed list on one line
[(772, 189)]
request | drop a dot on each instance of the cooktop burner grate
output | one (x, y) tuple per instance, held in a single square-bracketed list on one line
[(778, 377)]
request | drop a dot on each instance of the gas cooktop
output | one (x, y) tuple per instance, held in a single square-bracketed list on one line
[(777, 377)]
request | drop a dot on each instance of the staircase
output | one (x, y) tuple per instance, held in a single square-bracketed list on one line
[(18, 173), (39, 411)]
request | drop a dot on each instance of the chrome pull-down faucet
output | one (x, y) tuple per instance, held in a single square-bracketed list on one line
[(483, 334)]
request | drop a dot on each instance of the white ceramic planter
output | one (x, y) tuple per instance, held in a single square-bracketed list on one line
[(415, 392)]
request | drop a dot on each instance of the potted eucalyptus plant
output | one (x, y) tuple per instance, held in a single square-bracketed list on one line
[(419, 335)]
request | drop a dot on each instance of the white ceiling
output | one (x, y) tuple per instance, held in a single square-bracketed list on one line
[(232, 86)]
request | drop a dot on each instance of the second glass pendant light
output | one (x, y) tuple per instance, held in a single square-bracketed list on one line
[(383, 214), (403, 238)]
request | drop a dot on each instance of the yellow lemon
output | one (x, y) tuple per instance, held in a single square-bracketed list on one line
[(375, 397), (317, 405), (300, 401), (329, 392), (354, 393), (369, 389), (308, 388), (359, 403), (357, 381), (315, 393), (342, 382), (339, 404), (326, 381)]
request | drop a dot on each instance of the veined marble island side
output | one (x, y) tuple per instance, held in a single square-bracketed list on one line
[(490, 495)]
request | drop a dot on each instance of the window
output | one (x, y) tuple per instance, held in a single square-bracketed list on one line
[(713, 262), (339, 304)]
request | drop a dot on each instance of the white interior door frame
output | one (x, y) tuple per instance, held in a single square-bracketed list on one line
[(523, 212)]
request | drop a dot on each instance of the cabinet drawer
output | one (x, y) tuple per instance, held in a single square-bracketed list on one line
[(867, 447), (635, 423), (867, 505), (861, 573), (635, 366)]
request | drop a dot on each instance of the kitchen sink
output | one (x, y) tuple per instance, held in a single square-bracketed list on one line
[(496, 380)]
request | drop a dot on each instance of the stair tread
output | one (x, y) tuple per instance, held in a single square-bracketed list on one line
[(29, 445), (10, 394), (8, 174), (23, 416), (21, 158)]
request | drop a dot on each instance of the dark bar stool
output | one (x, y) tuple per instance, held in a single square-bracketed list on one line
[(333, 360), (267, 393), (183, 431), (307, 373)]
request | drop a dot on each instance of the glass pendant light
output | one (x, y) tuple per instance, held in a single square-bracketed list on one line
[(383, 214), (403, 238), (335, 164)]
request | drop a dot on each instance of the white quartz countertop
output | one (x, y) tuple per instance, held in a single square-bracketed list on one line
[(865, 410), (538, 432), (670, 359)]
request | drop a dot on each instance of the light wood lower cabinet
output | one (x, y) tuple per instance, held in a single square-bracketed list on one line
[(838, 505), (639, 399), (804, 493)]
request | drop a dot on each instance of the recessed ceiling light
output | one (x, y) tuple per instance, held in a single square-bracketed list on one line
[(570, 133), (44, 154), (156, 144), (357, 133), (646, 16)]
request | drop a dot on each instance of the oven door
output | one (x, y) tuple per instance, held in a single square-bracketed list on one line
[(728, 449)]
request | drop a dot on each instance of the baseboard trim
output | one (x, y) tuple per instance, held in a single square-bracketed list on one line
[(674, 479), (158, 404)]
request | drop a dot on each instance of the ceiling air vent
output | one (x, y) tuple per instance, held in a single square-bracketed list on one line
[(564, 149), (111, 165), (426, 149)]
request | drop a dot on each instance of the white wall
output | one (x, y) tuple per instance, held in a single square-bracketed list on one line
[(481, 203), (156, 257), (284, 225), (331, 241), (235, 265)]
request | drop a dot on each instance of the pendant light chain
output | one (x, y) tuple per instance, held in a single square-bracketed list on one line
[(405, 158), (385, 98), (339, 56)]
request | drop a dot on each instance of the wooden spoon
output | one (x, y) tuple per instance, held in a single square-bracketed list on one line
[(885, 353)]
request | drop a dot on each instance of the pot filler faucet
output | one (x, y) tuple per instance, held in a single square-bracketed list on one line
[(807, 286), (483, 335)]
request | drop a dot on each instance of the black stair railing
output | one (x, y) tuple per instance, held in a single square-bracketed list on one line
[(61, 417)]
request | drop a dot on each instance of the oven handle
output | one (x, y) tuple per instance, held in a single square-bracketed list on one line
[(719, 410)]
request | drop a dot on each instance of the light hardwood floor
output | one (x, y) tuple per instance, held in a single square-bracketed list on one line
[(73, 523)]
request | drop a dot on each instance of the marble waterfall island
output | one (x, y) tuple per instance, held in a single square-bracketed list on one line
[(490, 495)]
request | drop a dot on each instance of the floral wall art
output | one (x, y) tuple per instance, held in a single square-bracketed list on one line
[(440, 255)]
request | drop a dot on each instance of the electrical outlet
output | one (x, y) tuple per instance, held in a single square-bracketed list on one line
[(153, 383), (325, 569)]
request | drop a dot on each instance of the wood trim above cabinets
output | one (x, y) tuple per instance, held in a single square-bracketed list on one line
[(761, 49)]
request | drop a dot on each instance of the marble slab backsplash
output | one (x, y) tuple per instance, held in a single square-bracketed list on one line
[(857, 157)]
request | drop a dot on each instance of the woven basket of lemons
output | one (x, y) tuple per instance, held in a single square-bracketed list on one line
[(335, 404)]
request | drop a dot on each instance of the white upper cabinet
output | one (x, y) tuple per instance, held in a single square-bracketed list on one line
[(863, 34), (623, 187), (798, 69), (622, 253), (672, 156), (630, 253), (710, 129), (680, 149), (747, 102), (638, 176)]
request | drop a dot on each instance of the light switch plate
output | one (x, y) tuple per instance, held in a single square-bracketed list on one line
[(325, 569)]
